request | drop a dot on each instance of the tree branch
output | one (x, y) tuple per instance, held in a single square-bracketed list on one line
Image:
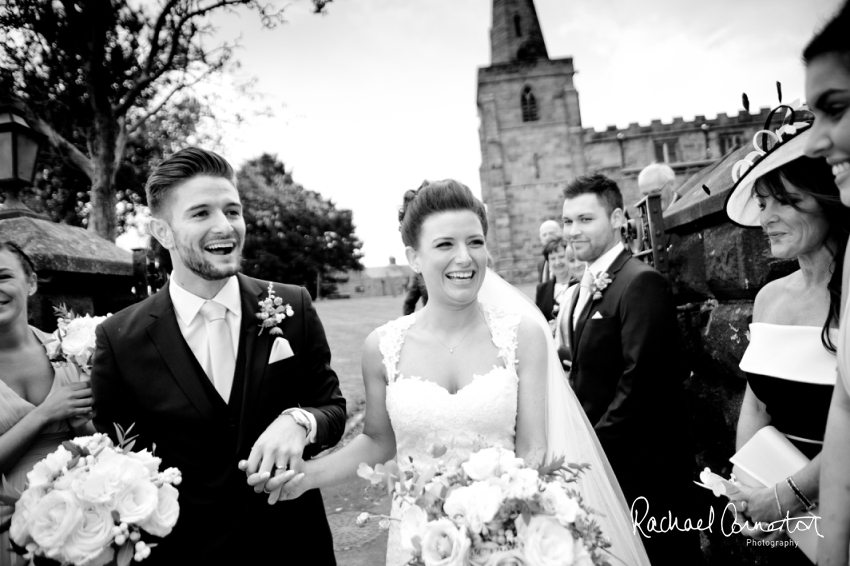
[(151, 113), (74, 155), (150, 75)]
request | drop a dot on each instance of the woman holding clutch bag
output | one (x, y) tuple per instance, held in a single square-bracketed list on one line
[(790, 362), (827, 60)]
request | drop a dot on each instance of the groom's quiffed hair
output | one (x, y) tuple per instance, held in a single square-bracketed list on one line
[(598, 184), (179, 168)]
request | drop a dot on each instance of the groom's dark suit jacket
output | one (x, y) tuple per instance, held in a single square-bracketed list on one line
[(628, 373), (145, 373)]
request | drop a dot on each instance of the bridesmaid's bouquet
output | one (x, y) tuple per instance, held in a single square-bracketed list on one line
[(491, 510), (88, 503), (73, 341)]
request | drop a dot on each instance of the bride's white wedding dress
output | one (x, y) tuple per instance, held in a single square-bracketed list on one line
[(424, 414), (483, 413)]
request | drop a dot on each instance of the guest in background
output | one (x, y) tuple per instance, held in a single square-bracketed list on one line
[(827, 59), (790, 361), (415, 290), (37, 398), (566, 271), (548, 231)]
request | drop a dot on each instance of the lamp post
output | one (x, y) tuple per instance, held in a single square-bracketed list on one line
[(705, 128), (19, 146)]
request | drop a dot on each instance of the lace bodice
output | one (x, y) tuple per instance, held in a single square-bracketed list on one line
[(423, 413)]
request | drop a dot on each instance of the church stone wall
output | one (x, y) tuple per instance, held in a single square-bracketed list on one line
[(526, 164)]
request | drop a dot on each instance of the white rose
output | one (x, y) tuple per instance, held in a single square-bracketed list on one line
[(164, 517), (110, 475), (412, 525), (509, 461), (555, 501), (136, 503), (66, 480), (55, 517), (444, 544), (19, 531), (148, 460), (45, 471), (75, 343), (548, 543), (524, 484), (473, 506), (92, 535), (482, 464)]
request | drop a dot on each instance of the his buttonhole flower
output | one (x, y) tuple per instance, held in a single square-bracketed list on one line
[(273, 312), (600, 282)]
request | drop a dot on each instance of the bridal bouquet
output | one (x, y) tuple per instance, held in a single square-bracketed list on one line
[(88, 502), (73, 341), (492, 510)]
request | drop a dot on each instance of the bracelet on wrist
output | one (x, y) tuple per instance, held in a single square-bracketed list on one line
[(807, 504), (776, 496)]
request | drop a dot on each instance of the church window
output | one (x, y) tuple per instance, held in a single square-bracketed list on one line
[(529, 105), (730, 141), (665, 150), (517, 25)]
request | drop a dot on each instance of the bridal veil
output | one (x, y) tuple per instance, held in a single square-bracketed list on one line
[(569, 433)]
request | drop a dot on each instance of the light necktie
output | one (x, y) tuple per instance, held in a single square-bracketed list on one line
[(583, 295), (222, 361)]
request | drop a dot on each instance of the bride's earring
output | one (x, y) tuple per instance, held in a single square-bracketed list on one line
[(415, 269)]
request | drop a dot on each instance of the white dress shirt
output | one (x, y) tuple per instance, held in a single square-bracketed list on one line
[(600, 265), (192, 326)]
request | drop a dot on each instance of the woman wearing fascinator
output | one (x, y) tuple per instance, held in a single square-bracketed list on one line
[(475, 364), (827, 59), (790, 361)]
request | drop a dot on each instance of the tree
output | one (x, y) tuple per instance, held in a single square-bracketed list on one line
[(293, 234), (62, 191), (92, 73)]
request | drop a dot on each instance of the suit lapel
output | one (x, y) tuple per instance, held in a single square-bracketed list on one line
[(257, 349), (166, 336)]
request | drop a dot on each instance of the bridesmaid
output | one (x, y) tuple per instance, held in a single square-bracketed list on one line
[(36, 398)]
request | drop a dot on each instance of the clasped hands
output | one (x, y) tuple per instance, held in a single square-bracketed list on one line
[(757, 506), (274, 465)]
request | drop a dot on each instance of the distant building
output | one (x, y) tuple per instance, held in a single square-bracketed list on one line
[(533, 142), (389, 280)]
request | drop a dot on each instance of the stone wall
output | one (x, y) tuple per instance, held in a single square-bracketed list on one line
[(525, 164), (716, 270)]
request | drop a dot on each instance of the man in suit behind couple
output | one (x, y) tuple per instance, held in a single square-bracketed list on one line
[(217, 397), (627, 368)]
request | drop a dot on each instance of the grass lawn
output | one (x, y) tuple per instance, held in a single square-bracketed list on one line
[(347, 324)]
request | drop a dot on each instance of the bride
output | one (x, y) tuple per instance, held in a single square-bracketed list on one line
[(473, 367)]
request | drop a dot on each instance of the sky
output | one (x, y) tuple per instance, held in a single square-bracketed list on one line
[(377, 95)]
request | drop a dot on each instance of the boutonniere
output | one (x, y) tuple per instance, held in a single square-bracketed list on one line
[(273, 312), (600, 282)]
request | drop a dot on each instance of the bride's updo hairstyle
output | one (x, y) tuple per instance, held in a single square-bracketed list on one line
[(433, 197)]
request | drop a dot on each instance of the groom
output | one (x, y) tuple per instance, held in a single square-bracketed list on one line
[(206, 388), (627, 369)]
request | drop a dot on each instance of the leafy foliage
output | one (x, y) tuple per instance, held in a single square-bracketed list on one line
[(96, 75), (293, 234)]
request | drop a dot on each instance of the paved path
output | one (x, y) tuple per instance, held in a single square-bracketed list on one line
[(347, 324)]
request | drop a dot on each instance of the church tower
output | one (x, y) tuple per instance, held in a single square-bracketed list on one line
[(531, 137)]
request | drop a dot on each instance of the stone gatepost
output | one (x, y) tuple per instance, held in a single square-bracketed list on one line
[(86, 272), (716, 269)]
